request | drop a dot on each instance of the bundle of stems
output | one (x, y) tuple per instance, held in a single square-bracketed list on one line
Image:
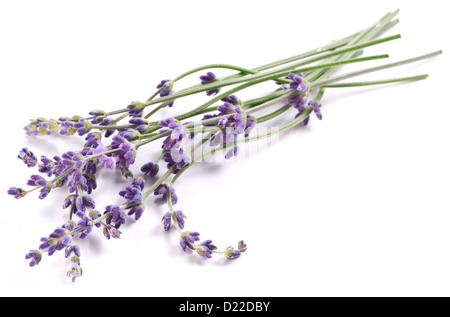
[(218, 126)]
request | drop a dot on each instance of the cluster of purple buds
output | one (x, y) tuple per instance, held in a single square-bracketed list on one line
[(129, 134), (66, 125), (233, 116), (75, 270), (176, 157), (209, 78), (164, 190), (46, 166), (116, 216), (150, 169), (174, 153), (165, 87), (16, 192), (27, 157), (233, 123), (35, 256), (233, 99), (75, 124), (59, 239), (41, 126), (98, 116), (106, 122), (127, 154), (78, 203), (133, 195), (135, 108), (315, 107), (187, 240), (109, 161), (39, 181), (204, 249), (110, 231), (232, 254), (297, 101), (176, 135), (85, 224), (297, 82), (83, 126), (177, 216), (141, 124), (72, 160)]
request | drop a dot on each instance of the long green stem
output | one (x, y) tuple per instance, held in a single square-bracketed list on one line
[(377, 82), (269, 75), (331, 80)]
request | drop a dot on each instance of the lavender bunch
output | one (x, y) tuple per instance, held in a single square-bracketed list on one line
[(222, 124)]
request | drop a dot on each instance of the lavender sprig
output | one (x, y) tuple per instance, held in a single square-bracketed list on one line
[(226, 123)]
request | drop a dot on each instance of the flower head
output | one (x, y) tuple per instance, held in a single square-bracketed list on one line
[(16, 192), (163, 189), (27, 157), (187, 240), (316, 108), (167, 220), (150, 168), (35, 256), (135, 108), (231, 254), (165, 87), (75, 269), (127, 154), (209, 78), (298, 82), (204, 249), (85, 223)]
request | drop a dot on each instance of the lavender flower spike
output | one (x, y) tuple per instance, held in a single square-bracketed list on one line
[(204, 249), (316, 108), (209, 78), (35, 256), (27, 157), (297, 82), (231, 253), (167, 220), (75, 270), (165, 86), (16, 192), (187, 240)]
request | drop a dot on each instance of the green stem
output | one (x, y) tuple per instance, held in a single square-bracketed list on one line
[(376, 82), (273, 114), (160, 180), (210, 66), (331, 80), (269, 75)]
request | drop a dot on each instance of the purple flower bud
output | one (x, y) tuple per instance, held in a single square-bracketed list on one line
[(231, 254), (179, 216), (187, 239), (209, 78), (135, 108), (204, 249), (16, 192), (166, 86), (150, 168), (167, 220), (75, 270), (27, 157), (35, 256)]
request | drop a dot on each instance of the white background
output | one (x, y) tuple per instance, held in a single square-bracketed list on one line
[(354, 205)]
